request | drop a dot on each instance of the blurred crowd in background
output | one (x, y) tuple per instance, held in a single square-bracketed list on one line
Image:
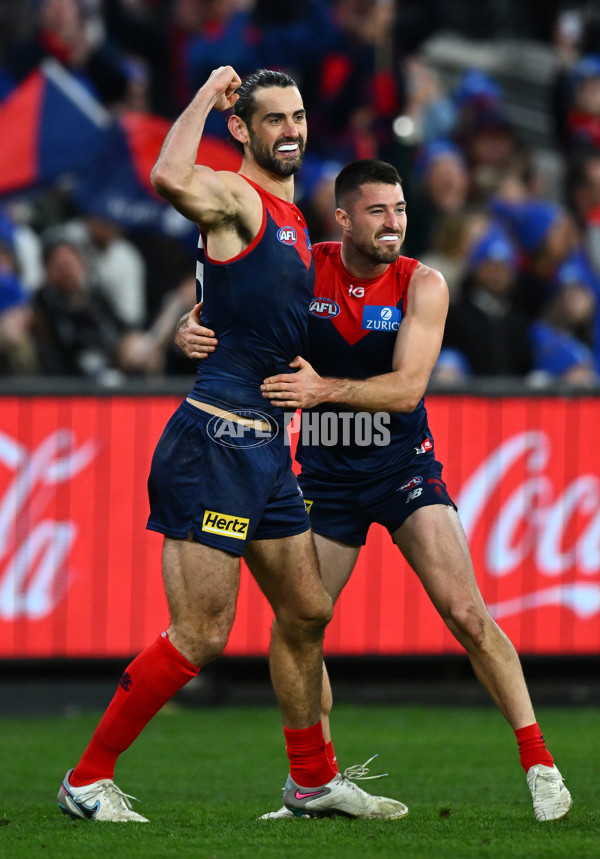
[(511, 218)]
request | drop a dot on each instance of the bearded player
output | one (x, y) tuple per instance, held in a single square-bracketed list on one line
[(214, 503)]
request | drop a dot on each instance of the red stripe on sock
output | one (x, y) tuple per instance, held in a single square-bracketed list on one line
[(532, 748), (145, 686), (309, 766)]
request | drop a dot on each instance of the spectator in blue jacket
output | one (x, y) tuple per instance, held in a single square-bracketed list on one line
[(562, 339)]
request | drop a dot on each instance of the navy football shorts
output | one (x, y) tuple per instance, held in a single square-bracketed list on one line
[(345, 510), (222, 489)]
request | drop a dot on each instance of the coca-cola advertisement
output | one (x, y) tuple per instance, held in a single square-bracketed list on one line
[(80, 575)]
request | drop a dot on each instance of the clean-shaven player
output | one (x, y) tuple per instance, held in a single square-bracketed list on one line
[(359, 364)]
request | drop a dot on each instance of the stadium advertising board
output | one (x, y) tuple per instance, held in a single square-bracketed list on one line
[(80, 575)]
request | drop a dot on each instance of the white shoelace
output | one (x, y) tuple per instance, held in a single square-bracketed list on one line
[(113, 794), (360, 772)]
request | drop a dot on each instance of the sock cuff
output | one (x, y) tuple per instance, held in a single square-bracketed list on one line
[(529, 732), (173, 654), (312, 734), (532, 748)]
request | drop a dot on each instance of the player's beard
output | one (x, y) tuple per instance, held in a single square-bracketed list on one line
[(267, 158), (378, 254)]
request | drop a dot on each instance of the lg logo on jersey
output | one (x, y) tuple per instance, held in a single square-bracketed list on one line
[(356, 291)]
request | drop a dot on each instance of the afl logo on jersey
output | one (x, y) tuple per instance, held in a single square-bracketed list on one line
[(324, 308), (287, 235)]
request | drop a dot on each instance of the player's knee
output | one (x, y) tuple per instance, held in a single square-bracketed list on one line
[(308, 619), (469, 623), (214, 643), (314, 620), (200, 644), (322, 612)]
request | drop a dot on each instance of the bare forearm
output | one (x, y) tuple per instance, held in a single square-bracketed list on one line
[(179, 151), (379, 393)]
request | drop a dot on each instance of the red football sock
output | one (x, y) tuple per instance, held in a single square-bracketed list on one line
[(149, 682), (532, 747), (331, 758), (308, 759)]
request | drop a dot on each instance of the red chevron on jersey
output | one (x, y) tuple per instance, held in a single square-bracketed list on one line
[(349, 301), (290, 220)]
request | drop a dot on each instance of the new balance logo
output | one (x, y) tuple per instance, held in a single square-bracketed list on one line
[(224, 525)]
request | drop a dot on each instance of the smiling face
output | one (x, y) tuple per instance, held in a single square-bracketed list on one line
[(276, 135), (374, 222)]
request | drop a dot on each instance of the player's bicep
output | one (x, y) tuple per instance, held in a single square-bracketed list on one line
[(421, 331), (206, 197)]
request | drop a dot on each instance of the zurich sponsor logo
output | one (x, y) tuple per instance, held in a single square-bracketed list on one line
[(410, 484), (287, 235), (324, 308), (380, 318)]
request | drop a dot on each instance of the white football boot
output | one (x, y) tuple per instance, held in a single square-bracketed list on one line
[(101, 800), (358, 772), (551, 799)]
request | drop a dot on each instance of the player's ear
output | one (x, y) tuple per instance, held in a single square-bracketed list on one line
[(238, 129), (343, 219)]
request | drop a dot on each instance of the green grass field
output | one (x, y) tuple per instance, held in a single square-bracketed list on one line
[(205, 775)]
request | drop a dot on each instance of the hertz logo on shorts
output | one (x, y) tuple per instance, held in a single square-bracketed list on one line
[(224, 525)]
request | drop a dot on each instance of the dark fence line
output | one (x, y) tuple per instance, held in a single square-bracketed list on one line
[(497, 386)]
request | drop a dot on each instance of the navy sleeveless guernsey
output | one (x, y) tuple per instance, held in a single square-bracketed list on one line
[(219, 482), (256, 303)]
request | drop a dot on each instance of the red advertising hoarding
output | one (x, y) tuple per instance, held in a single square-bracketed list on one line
[(80, 575)]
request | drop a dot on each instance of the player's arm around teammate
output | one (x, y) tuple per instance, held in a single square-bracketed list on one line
[(416, 351), (431, 539)]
